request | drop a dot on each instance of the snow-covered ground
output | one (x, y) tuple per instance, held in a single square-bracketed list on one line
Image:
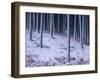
[(54, 51)]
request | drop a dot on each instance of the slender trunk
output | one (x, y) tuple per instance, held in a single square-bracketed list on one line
[(63, 24), (27, 22), (51, 25), (30, 25), (58, 23), (75, 27), (48, 27), (88, 31), (50, 19), (44, 22), (37, 26), (85, 29), (34, 23), (80, 31), (68, 34), (41, 31)]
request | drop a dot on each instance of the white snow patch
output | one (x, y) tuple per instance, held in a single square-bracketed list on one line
[(56, 49)]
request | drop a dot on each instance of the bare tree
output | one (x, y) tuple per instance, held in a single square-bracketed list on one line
[(68, 35), (27, 22), (48, 25), (80, 24), (44, 23), (41, 31), (30, 25), (37, 23), (82, 31), (88, 31), (64, 23), (34, 25), (51, 25), (75, 27), (58, 22)]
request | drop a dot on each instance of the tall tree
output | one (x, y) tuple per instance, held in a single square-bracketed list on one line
[(27, 22), (58, 21), (82, 30), (85, 26), (80, 25), (88, 31), (75, 27), (34, 25), (64, 23), (41, 31), (30, 25), (44, 22), (68, 35), (48, 27), (51, 25), (37, 23)]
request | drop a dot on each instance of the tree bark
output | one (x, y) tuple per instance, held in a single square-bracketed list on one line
[(58, 23), (51, 25), (30, 25), (82, 29), (81, 44), (41, 31), (68, 34), (75, 27), (48, 25), (34, 25), (37, 24)]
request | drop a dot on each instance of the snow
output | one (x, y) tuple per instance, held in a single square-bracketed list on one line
[(54, 51)]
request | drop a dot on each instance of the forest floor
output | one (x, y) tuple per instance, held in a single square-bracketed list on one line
[(54, 51)]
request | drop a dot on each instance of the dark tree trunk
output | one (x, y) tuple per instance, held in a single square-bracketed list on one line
[(30, 25), (37, 23), (82, 30), (68, 34), (34, 25), (51, 25), (75, 27), (41, 31), (58, 23), (81, 44)]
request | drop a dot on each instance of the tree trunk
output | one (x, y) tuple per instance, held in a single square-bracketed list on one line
[(34, 26), (37, 24), (44, 23), (88, 31), (68, 34), (41, 31), (27, 22), (51, 25), (30, 25), (58, 23), (75, 27), (85, 23), (48, 27), (64, 23), (82, 30), (81, 44)]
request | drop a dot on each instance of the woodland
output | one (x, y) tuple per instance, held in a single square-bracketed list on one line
[(54, 39)]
